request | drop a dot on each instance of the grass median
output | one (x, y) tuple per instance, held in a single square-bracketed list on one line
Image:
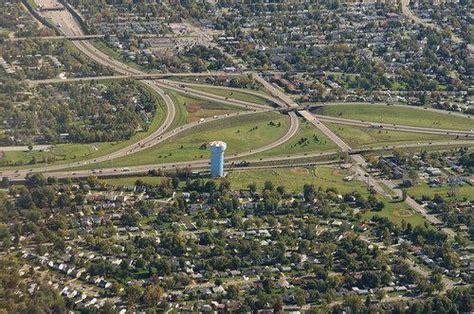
[(412, 116), (241, 133)]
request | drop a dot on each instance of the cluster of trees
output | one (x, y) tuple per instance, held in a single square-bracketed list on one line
[(14, 295), (86, 112), (28, 211), (14, 15), (203, 58), (35, 67), (303, 56), (110, 11)]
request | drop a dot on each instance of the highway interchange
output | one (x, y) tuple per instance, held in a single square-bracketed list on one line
[(69, 27)]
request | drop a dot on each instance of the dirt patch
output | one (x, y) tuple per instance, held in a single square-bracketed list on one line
[(303, 171), (337, 172), (193, 107), (404, 213)]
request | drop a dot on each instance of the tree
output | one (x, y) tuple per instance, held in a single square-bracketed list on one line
[(152, 295), (404, 194), (5, 183), (233, 292), (437, 280), (175, 182), (268, 186), (380, 294), (133, 294), (252, 187), (413, 175), (354, 302), (308, 192)]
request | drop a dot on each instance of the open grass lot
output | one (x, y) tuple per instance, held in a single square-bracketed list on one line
[(366, 137), (190, 109), (240, 95), (308, 139), (241, 133), (460, 192), (63, 153), (295, 178), (398, 115), (55, 153), (397, 211)]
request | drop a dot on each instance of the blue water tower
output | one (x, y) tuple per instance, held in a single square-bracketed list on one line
[(217, 158)]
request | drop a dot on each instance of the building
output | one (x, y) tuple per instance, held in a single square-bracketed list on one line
[(217, 158)]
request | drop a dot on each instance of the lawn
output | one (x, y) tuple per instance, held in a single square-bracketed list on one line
[(239, 95), (308, 139), (367, 137), (398, 115), (66, 152), (460, 192), (397, 211), (241, 133)]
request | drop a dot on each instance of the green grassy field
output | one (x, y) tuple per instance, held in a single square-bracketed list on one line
[(461, 192), (55, 153), (398, 115), (366, 137), (241, 133), (315, 142), (240, 95), (190, 109), (295, 178), (63, 153)]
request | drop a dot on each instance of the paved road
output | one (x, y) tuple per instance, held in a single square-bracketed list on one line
[(151, 140), (287, 101), (59, 171), (134, 76), (211, 97), (232, 89), (71, 28), (326, 131), (59, 37)]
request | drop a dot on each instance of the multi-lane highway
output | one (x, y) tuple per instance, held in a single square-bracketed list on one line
[(230, 89)]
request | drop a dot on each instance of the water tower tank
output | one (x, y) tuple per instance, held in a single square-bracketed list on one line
[(217, 149)]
